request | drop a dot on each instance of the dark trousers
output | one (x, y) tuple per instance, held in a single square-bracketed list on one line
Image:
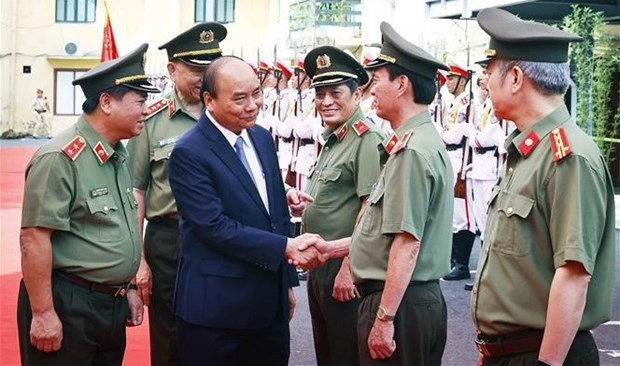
[(420, 327), (93, 327), (583, 352), (161, 249), (462, 243), (207, 346), (334, 323)]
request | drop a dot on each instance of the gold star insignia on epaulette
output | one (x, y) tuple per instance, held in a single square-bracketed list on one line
[(343, 131), (101, 153), (526, 146), (172, 107), (360, 127), (156, 107), (391, 143), (74, 147), (559, 144)]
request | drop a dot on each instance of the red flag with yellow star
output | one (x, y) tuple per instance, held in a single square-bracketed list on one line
[(108, 49)]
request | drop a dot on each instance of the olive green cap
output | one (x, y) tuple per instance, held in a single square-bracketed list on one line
[(516, 39), (127, 70), (398, 51), (328, 65), (197, 46)]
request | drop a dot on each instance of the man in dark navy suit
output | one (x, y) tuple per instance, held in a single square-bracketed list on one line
[(234, 295)]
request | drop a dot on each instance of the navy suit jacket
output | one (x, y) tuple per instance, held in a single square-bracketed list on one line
[(232, 272)]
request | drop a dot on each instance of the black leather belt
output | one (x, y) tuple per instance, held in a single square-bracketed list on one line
[(452, 147), (165, 221), (482, 150), (116, 291), (368, 287), (304, 142), (287, 139), (511, 344)]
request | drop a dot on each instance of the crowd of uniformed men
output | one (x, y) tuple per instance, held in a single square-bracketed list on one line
[(379, 159)]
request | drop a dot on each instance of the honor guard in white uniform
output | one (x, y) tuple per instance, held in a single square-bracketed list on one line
[(306, 122), (454, 134), (267, 81), (283, 129)]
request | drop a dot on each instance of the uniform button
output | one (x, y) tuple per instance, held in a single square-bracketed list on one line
[(475, 290), (510, 170), (509, 210), (128, 190), (106, 208), (486, 251), (273, 227), (169, 154)]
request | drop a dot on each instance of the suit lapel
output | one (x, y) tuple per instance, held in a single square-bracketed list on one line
[(226, 153)]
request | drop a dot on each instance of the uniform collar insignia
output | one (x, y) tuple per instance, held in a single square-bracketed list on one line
[(390, 145), (401, 142), (74, 147), (343, 131), (172, 107), (101, 153), (559, 144), (360, 127), (529, 143)]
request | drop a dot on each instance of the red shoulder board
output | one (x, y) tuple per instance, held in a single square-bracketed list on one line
[(101, 152), (402, 143), (559, 144), (340, 135), (157, 106), (526, 146), (391, 143), (172, 107), (360, 127), (74, 147)]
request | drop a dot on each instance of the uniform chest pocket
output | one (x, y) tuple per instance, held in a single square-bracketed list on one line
[(328, 179), (513, 236), (371, 220), (162, 153), (106, 219)]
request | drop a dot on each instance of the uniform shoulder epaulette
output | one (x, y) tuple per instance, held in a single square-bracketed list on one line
[(559, 144), (360, 127), (156, 107), (74, 147)]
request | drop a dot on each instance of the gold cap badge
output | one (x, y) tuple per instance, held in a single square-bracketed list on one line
[(490, 52), (206, 36), (323, 61)]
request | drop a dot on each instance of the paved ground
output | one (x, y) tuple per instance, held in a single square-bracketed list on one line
[(459, 350)]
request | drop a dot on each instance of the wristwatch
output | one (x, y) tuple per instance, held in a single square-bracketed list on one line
[(383, 316), (132, 286)]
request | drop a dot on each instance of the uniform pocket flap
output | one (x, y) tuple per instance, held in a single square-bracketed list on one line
[(513, 204), (162, 153), (330, 174), (103, 204)]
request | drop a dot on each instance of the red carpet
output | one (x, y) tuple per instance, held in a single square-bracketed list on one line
[(13, 160)]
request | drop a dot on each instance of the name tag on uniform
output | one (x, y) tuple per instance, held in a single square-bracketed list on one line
[(99, 192), (168, 141)]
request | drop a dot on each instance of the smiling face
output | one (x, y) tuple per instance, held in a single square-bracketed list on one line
[(187, 80), (336, 103), (129, 113), (239, 96)]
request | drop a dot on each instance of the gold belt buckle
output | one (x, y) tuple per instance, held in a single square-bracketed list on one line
[(482, 347), (122, 290)]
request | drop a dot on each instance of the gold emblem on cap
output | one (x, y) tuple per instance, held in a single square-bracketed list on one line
[(206, 36), (490, 52), (323, 61)]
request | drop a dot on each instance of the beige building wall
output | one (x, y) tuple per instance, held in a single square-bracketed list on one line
[(30, 36)]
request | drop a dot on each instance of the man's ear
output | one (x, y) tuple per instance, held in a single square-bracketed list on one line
[(172, 68), (207, 99), (105, 103), (516, 78)]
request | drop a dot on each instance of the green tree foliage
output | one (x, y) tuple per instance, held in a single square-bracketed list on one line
[(594, 61)]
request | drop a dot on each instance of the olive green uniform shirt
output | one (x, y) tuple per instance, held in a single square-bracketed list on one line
[(542, 214), (345, 172), (149, 154), (88, 202), (414, 194)]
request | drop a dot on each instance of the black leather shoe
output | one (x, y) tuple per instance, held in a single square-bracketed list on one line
[(468, 286), (459, 272)]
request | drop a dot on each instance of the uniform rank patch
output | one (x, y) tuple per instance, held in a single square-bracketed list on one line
[(99, 192), (74, 147)]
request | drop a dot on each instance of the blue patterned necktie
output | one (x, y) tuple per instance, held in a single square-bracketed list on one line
[(241, 155)]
